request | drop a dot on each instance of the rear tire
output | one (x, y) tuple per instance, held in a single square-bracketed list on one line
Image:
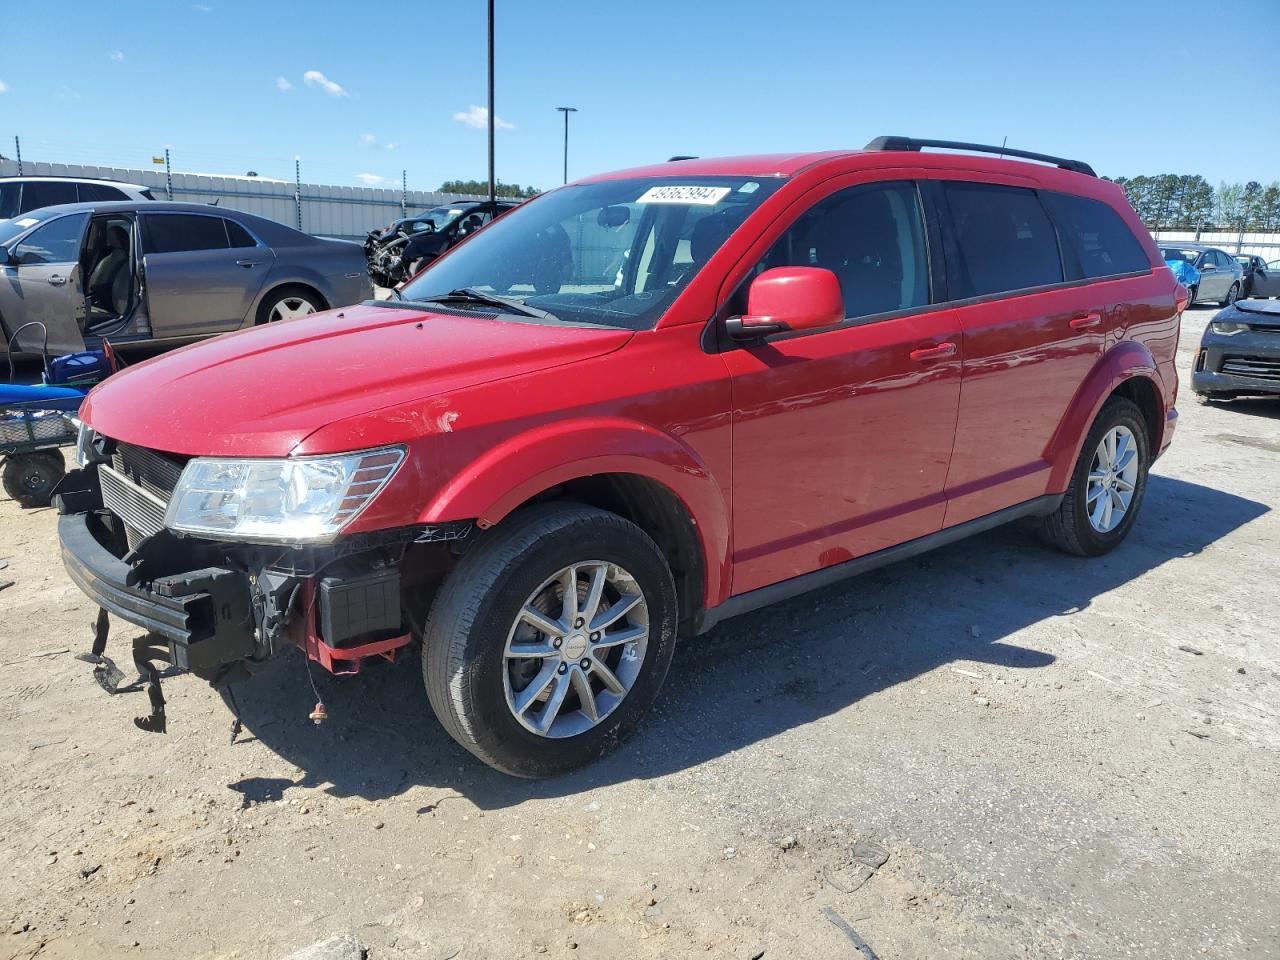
[(1075, 527), (1233, 294), (288, 303), (475, 677), (1193, 292), (29, 478)]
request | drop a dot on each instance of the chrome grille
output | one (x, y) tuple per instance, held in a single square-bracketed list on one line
[(141, 512), (154, 472), (1258, 368)]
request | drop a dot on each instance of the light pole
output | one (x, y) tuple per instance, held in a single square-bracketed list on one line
[(493, 185), (566, 111)]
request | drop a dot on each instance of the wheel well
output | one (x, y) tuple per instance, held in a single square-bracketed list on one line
[(658, 512), (279, 288), (1144, 393)]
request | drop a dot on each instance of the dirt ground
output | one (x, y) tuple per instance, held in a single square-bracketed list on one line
[(1059, 757)]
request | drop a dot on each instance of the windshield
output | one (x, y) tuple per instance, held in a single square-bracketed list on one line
[(441, 217), (614, 253), (12, 228), (1244, 261), (9, 194), (1186, 256)]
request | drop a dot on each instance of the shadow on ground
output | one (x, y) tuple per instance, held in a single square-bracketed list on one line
[(750, 678)]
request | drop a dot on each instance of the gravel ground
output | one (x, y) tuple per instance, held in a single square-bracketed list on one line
[(1057, 757)]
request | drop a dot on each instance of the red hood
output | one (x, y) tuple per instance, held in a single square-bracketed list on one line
[(260, 392)]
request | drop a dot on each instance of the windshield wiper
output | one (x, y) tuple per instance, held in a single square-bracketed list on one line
[(472, 295)]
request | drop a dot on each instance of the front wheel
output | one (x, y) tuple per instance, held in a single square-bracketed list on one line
[(550, 639), (1107, 484), (1233, 294)]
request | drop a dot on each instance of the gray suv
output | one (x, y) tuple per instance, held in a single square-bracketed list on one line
[(76, 274), (1221, 277)]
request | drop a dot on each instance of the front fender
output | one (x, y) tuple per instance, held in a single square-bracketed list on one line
[(512, 472), (1125, 361)]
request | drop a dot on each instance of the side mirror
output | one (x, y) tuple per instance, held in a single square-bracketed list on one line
[(789, 299), (1207, 267), (614, 216)]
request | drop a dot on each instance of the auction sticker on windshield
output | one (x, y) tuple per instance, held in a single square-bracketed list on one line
[(702, 196)]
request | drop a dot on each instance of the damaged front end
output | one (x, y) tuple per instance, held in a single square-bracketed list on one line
[(219, 608)]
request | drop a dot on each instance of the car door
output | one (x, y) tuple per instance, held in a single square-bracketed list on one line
[(1030, 339), (1266, 282), (195, 280), (1215, 277), (43, 285), (842, 436)]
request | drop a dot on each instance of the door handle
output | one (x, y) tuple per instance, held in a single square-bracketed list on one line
[(247, 264), (938, 352), (57, 280), (1087, 322)]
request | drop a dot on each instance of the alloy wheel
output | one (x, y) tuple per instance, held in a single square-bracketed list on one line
[(1113, 478), (289, 307), (576, 649)]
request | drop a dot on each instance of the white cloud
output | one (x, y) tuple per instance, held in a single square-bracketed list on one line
[(478, 117), (4, 87), (314, 78), (391, 146), (117, 56), (371, 179), (369, 140), (66, 93), (202, 8), (283, 84)]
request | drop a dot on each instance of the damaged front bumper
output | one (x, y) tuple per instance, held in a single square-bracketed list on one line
[(218, 609)]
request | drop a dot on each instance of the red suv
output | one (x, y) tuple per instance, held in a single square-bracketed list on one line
[(635, 406)]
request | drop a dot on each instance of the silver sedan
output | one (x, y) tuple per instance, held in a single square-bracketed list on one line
[(76, 274)]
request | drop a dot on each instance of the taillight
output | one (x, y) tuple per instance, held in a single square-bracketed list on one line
[(1182, 298)]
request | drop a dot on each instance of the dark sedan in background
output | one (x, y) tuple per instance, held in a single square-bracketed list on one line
[(142, 271), (1240, 352), (1261, 279)]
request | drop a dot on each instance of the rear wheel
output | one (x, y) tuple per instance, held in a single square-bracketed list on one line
[(29, 478), (1107, 484), (550, 639), (1233, 294), (1193, 292), (288, 303)]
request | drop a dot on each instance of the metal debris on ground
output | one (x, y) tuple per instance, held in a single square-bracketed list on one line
[(846, 928), (1187, 648)]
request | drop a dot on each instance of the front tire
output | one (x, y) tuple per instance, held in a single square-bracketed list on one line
[(1107, 484), (550, 639)]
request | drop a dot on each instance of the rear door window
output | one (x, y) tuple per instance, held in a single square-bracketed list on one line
[(1094, 235), (1005, 241), (47, 194), (238, 235), (96, 192), (182, 232)]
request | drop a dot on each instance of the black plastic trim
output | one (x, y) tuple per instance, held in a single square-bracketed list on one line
[(777, 592)]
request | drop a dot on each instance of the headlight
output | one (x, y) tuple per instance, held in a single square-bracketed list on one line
[(1228, 327), (84, 437), (294, 500)]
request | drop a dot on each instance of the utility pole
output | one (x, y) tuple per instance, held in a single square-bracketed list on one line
[(566, 111), (404, 193), (17, 148), (168, 176), (297, 190), (493, 184)]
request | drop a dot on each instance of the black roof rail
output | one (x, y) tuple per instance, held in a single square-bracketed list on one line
[(679, 157), (911, 143)]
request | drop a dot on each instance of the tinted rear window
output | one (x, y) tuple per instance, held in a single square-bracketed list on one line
[(1102, 243), (1006, 240), (181, 232), (239, 235), (97, 191), (47, 194)]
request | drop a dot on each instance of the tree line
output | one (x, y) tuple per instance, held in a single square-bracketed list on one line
[(481, 188), (1169, 201)]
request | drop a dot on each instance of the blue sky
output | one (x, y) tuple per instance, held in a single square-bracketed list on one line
[(362, 91)]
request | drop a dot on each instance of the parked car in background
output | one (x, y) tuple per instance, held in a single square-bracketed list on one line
[(1239, 352), (158, 271), (1261, 279), (629, 409), (1221, 277), (20, 194), (403, 247)]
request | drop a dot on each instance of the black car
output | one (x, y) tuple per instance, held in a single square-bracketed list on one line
[(403, 247), (1261, 279), (1240, 352)]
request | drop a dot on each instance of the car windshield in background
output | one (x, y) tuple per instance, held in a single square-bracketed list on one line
[(441, 217), (1244, 261), (614, 253), (1186, 256)]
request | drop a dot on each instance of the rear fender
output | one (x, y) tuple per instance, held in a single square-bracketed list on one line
[(520, 468), (1127, 360)]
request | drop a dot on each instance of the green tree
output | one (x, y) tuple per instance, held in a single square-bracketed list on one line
[(1231, 205), (1194, 202), (1251, 201), (481, 188), (1271, 206)]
